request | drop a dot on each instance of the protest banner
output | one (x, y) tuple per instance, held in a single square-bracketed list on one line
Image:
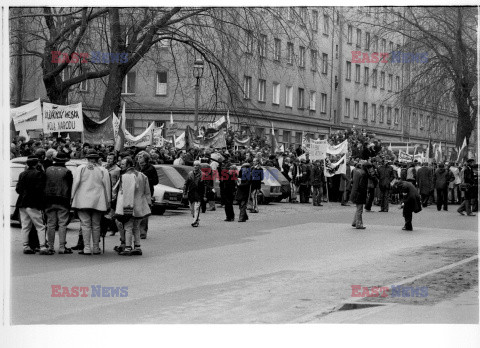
[(62, 118), (141, 140), (158, 139), (317, 149), (404, 157), (100, 132), (339, 167), (28, 116)]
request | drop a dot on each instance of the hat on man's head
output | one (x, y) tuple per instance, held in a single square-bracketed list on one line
[(92, 154), (470, 160), (61, 157)]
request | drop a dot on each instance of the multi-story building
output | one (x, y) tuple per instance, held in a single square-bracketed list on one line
[(300, 76)]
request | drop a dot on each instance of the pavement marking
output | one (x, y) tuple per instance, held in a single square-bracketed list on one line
[(310, 317)]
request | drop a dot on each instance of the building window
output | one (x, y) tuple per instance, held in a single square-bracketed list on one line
[(301, 98), (356, 109), (390, 46), (313, 101), (347, 107), (412, 120), (276, 93), (365, 111), (314, 20), (389, 115), (336, 51), (129, 126), (348, 74), (397, 83), (303, 15), (289, 96), (249, 42), (382, 113), (427, 125), (289, 53), (323, 105), (326, 24), (286, 137), (66, 73), (390, 82), (396, 115), (313, 56), (374, 113), (374, 78), (366, 76), (161, 83), (277, 50), (375, 43), (324, 63), (382, 80), (454, 128), (262, 89), (384, 46), (291, 14), (359, 38), (262, 46), (301, 63), (128, 85), (422, 125), (247, 87), (367, 40), (349, 34), (357, 73)]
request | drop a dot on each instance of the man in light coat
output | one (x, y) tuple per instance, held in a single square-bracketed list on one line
[(91, 195)]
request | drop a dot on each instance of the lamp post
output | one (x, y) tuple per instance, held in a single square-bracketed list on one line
[(197, 73)]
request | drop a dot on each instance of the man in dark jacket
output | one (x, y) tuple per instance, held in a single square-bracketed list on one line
[(30, 188), (411, 203), (243, 191), (318, 179), (441, 179), (345, 185), (195, 191), (470, 186), (385, 177), (425, 183), (151, 173), (304, 181), (256, 178), (190, 157), (372, 184), (359, 192), (228, 186), (58, 191)]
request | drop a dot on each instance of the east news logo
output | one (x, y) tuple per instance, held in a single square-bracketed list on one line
[(83, 291), (395, 291)]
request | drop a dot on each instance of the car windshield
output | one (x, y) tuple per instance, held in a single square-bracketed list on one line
[(183, 170), (168, 176)]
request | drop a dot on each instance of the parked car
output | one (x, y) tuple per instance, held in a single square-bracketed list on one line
[(284, 183), (168, 193), (17, 166)]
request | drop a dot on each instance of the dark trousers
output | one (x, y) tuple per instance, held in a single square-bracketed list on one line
[(442, 198), (228, 204), (317, 195), (304, 194), (465, 206), (425, 198), (384, 197), (243, 210), (370, 197), (408, 215), (345, 196)]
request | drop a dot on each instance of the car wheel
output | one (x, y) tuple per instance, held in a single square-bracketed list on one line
[(158, 210)]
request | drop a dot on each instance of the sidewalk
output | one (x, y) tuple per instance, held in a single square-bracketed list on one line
[(459, 310)]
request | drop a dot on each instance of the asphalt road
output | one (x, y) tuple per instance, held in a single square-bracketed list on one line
[(287, 263)]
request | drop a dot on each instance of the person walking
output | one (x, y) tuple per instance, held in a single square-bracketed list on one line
[(30, 188), (303, 181), (256, 178), (114, 171), (243, 191), (359, 192), (228, 186), (454, 185), (195, 190), (151, 173), (385, 178), (58, 192), (91, 196), (441, 179), (425, 183), (133, 204), (411, 203), (318, 180), (372, 184), (470, 187), (345, 185)]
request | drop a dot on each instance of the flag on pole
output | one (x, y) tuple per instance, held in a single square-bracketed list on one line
[(171, 122), (274, 142), (228, 118), (463, 150), (430, 149), (390, 147), (116, 132), (407, 148)]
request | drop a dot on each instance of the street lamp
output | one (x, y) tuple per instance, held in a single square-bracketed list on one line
[(197, 73)]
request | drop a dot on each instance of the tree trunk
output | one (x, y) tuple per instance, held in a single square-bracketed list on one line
[(113, 94), (464, 123)]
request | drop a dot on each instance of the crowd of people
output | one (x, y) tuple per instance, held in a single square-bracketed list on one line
[(113, 191)]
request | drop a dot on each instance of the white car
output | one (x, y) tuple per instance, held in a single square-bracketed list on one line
[(168, 192)]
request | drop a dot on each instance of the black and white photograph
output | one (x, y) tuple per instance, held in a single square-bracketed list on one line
[(215, 164)]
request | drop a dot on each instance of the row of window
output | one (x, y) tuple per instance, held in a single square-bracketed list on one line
[(290, 53), (302, 17), (301, 95), (437, 125), (373, 112), (370, 42), (374, 77)]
